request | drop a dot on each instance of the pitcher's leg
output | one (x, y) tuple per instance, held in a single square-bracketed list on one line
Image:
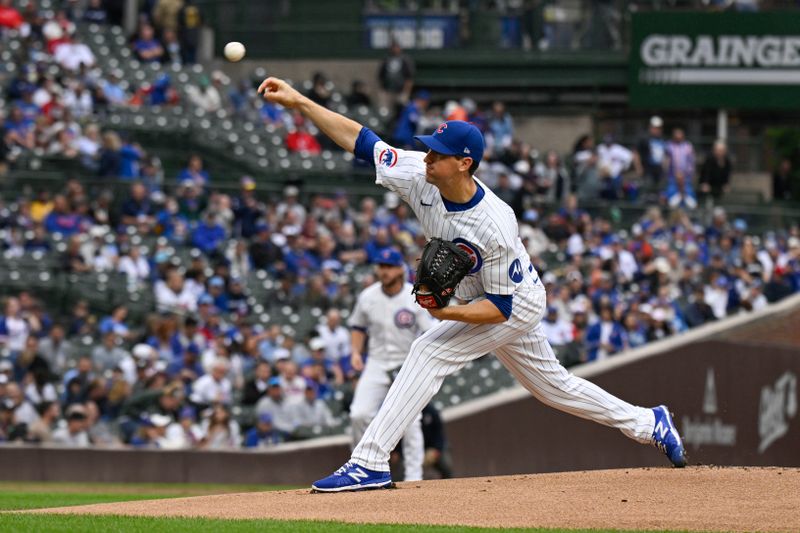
[(441, 351), (531, 360), (413, 451), (370, 392)]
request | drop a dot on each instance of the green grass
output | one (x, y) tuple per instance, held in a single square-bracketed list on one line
[(102, 524), (44, 495)]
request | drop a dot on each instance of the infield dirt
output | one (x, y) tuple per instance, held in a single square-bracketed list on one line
[(696, 499)]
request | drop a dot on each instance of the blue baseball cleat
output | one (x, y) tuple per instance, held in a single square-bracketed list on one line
[(666, 437), (352, 477)]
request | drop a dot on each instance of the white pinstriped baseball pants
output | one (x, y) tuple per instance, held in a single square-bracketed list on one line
[(522, 347), (370, 393)]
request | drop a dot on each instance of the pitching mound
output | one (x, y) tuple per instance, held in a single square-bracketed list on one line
[(698, 498)]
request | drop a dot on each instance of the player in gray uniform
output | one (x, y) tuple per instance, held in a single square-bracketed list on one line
[(387, 315), (503, 298)]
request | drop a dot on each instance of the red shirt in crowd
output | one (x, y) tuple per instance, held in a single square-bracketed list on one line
[(10, 17), (302, 141)]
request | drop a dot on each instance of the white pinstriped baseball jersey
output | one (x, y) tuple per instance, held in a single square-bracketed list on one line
[(392, 323), (486, 229)]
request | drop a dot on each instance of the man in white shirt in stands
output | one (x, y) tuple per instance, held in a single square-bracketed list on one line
[(335, 336), (558, 332), (214, 387)]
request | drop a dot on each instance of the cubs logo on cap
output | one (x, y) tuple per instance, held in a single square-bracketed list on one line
[(390, 256), (455, 137)]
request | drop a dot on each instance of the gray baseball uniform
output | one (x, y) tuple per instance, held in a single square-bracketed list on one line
[(392, 323)]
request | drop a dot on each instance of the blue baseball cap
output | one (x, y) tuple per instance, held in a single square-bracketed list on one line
[(455, 137), (390, 256), (274, 381), (265, 418)]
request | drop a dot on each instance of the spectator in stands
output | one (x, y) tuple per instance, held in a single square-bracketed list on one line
[(605, 337), (75, 433), (131, 154), (208, 94), (358, 95), (274, 405), (10, 17), (165, 14), (95, 12), (612, 160), (134, 265), (396, 79), (500, 131), (108, 355), (698, 312), (41, 431), (214, 387), (174, 294), (778, 287), (109, 156), (19, 130), (263, 434), (407, 124), (585, 177), (146, 46), (680, 162), (219, 430), (310, 411), (10, 428), (56, 349), (137, 210), (558, 332), (680, 193), (72, 260), (552, 180), (73, 55), (782, 180), (209, 235), (300, 139), (715, 175), (172, 48), (650, 152), (335, 336), (256, 387), (194, 173), (115, 323), (190, 21), (320, 89), (24, 411), (292, 384)]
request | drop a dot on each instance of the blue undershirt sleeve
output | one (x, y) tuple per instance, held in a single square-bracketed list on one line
[(502, 302), (365, 145)]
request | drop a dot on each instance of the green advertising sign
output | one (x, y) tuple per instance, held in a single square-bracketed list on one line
[(715, 60)]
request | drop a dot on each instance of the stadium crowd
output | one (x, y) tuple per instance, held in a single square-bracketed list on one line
[(202, 372)]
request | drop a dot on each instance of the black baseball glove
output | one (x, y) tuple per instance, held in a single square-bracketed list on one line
[(441, 268)]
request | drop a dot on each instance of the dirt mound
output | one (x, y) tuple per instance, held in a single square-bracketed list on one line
[(699, 498)]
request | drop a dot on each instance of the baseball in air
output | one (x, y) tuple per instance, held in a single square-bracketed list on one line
[(234, 51)]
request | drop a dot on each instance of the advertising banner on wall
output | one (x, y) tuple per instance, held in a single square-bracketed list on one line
[(715, 60)]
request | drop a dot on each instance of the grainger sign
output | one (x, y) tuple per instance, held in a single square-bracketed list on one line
[(716, 60)]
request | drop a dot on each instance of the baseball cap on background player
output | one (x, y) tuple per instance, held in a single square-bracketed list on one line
[(455, 137), (391, 257)]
